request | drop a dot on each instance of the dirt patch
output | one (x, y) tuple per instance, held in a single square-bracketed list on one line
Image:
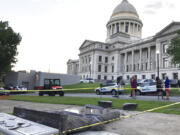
[(144, 124)]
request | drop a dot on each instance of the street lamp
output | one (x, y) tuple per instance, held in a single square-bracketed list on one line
[(157, 52)]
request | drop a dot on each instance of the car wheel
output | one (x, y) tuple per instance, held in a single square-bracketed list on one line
[(61, 93), (40, 94), (138, 92), (98, 92), (113, 92)]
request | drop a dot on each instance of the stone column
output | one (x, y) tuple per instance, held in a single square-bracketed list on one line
[(140, 58), (124, 27), (149, 58), (133, 28), (115, 28), (129, 27), (111, 29), (119, 26), (125, 62), (107, 31), (116, 63), (132, 60)]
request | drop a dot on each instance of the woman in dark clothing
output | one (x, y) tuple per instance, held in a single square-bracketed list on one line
[(159, 87), (133, 87)]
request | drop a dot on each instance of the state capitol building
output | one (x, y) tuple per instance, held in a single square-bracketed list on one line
[(125, 53)]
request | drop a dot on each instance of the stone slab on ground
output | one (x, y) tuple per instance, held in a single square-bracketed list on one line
[(96, 133), (105, 104), (129, 106)]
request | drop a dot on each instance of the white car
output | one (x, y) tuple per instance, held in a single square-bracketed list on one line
[(108, 88), (146, 86), (20, 87), (87, 80)]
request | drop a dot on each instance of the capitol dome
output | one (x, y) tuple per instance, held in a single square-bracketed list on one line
[(123, 7), (124, 19)]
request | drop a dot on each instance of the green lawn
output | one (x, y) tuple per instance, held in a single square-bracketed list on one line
[(117, 103), (89, 88)]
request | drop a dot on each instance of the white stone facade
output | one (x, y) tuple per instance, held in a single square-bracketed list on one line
[(124, 53)]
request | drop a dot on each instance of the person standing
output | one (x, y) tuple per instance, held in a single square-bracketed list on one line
[(159, 87), (133, 86), (167, 87), (120, 84)]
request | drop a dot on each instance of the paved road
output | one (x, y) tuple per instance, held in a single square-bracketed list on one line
[(148, 98)]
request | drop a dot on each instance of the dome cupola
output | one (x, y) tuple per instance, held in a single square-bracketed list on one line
[(125, 19), (123, 7)]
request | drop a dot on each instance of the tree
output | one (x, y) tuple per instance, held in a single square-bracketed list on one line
[(174, 49), (8, 47)]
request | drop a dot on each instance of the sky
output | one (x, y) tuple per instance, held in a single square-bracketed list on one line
[(53, 30)]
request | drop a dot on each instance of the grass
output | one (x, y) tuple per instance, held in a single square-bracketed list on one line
[(89, 88), (117, 103)]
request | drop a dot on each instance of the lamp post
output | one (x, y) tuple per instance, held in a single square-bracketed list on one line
[(157, 52)]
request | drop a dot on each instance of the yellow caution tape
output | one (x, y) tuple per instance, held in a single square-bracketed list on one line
[(73, 89)]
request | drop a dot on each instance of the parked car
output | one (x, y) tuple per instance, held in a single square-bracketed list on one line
[(9, 87), (108, 88), (147, 86), (174, 83), (87, 80), (20, 87), (2, 92)]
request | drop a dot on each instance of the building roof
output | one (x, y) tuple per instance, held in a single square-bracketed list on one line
[(126, 7)]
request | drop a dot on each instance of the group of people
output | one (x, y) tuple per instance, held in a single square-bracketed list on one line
[(159, 86)]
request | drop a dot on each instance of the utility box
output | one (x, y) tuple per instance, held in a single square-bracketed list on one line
[(12, 125)]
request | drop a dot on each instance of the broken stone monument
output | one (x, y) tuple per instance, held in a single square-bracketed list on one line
[(71, 119)]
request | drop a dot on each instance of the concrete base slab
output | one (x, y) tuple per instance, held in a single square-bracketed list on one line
[(96, 133)]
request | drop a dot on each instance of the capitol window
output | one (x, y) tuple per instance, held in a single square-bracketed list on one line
[(175, 76), (99, 77), (112, 69), (106, 69), (106, 59), (165, 63), (126, 28), (100, 58), (99, 68), (165, 47), (117, 27)]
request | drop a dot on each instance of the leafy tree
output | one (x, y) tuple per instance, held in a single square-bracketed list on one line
[(174, 49), (8, 47)]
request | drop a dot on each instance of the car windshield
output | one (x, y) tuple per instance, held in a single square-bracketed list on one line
[(89, 79), (109, 84)]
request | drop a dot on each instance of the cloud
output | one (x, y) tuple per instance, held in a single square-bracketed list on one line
[(156, 5), (170, 5), (150, 12)]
